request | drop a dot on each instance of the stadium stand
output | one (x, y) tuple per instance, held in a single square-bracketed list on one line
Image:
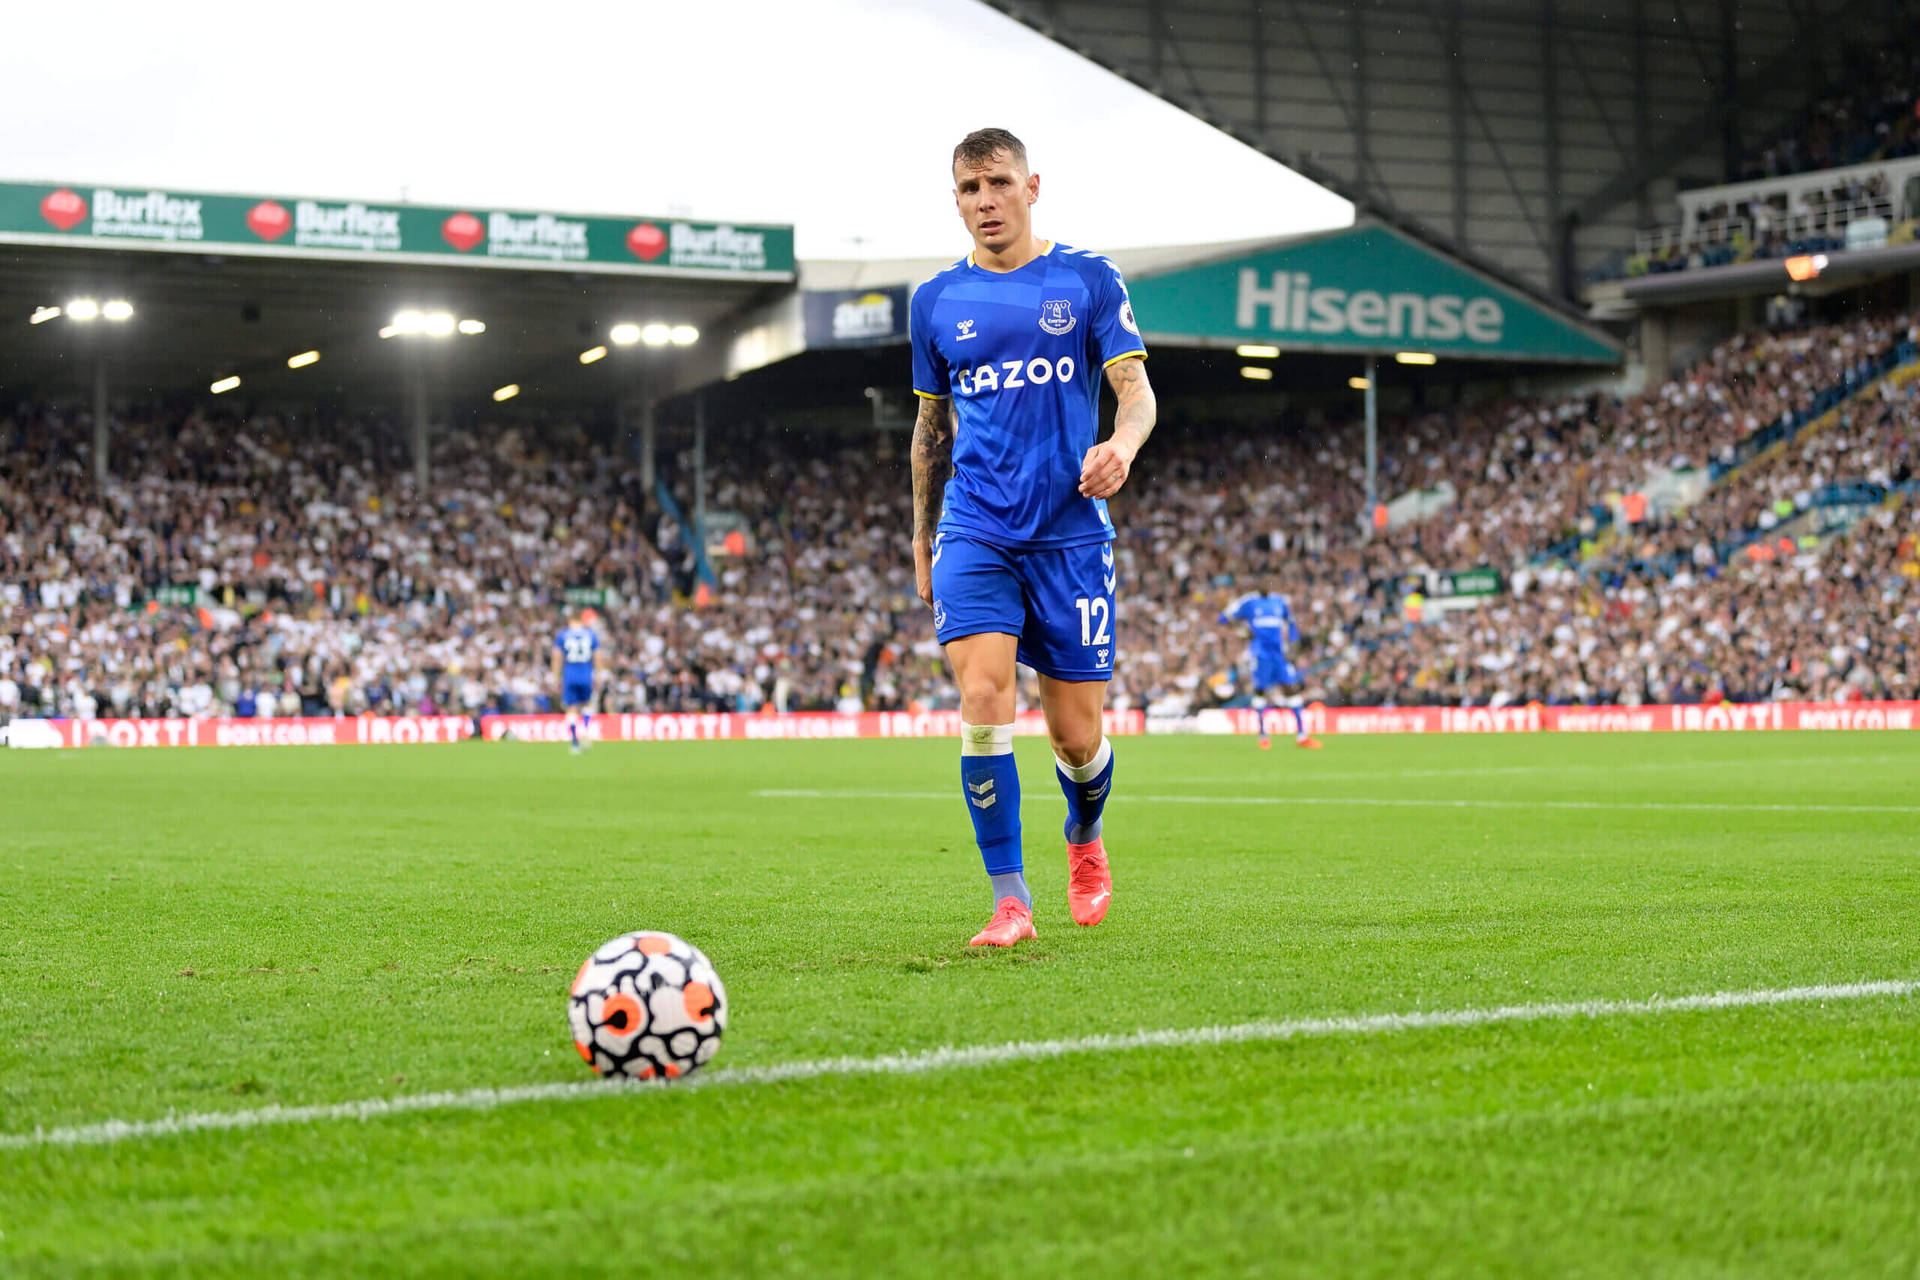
[(274, 565), (1875, 117), (1844, 174)]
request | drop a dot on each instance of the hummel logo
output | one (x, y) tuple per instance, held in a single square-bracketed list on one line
[(1099, 655), (984, 804), (1106, 556), (982, 789), (1094, 793), (1111, 580), (966, 331)]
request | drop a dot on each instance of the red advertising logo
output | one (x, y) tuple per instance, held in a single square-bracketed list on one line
[(269, 220), (64, 209), (463, 231), (647, 242)]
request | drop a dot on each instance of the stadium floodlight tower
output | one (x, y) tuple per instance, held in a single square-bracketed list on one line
[(1373, 441), (93, 317), (419, 328), (628, 334)]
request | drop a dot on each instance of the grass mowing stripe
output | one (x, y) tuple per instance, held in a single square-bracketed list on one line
[(1398, 802), (115, 1131)]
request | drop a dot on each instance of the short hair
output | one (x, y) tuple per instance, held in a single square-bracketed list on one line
[(982, 145)]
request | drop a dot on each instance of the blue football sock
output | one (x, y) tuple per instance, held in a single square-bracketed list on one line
[(1299, 725), (573, 728), (1086, 788), (586, 719), (991, 784), (1260, 710)]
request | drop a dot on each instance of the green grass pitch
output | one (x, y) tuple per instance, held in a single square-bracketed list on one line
[(184, 932)]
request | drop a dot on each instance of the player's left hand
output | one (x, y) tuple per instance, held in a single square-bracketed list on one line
[(1105, 469)]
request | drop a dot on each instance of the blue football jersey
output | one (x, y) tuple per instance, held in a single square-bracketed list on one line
[(1269, 619), (1022, 355), (577, 645)]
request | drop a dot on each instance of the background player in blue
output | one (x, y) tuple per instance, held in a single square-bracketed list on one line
[(1269, 620), (573, 652), (1014, 551)]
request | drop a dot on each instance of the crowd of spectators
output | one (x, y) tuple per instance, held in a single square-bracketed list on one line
[(1517, 477), (1876, 117), (1871, 447), (276, 565), (1834, 621), (1873, 120)]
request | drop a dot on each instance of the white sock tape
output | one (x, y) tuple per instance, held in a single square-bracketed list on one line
[(1091, 769), (986, 739)]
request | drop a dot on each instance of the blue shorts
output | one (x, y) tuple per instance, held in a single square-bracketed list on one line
[(1059, 603), (576, 692), (1271, 672)]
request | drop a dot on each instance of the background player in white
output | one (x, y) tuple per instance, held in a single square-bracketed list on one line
[(1014, 551)]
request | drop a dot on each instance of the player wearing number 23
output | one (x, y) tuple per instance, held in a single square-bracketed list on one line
[(1015, 551)]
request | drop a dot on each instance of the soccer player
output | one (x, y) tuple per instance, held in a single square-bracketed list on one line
[(573, 652), (1269, 619), (1013, 549)]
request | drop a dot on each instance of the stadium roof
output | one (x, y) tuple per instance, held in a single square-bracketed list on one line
[(198, 318), (226, 286), (1529, 139)]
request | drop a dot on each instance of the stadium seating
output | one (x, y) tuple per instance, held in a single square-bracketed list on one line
[(1876, 117), (273, 566), (1841, 175)]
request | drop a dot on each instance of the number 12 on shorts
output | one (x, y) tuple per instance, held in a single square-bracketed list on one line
[(1094, 613)]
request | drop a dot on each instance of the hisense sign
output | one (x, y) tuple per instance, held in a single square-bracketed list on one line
[(1364, 289), (1292, 304)]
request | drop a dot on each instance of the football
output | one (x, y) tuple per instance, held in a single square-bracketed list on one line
[(647, 1005)]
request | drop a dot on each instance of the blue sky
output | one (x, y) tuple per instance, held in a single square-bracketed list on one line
[(836, 115)]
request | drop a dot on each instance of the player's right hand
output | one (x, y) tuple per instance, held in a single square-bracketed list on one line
[(923, 571)]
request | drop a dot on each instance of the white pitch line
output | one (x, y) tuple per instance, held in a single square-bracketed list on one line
[(1657, 766), (950, 1058), (1397, 802)]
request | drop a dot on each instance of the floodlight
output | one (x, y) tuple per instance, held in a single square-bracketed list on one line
[(82, 309), (225, 384), (625, 334), (684, 335), (593, 353), (656, 335), (118, 309)]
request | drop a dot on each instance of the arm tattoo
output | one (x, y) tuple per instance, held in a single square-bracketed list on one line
[(932, 455), (1133, 420)]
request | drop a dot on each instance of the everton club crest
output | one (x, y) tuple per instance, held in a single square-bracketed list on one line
[(1056, 316)]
